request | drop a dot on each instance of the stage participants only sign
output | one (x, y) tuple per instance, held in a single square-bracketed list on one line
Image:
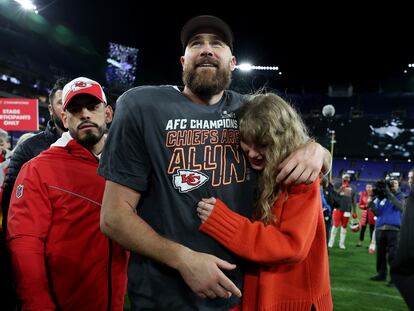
[(19, 114)]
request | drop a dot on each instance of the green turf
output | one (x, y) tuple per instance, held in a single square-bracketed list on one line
[(350, 271)]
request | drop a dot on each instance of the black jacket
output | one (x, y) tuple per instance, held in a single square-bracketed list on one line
[(402, 267), (23, 153)]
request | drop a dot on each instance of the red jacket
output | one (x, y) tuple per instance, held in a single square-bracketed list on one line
[(363, 200), (292, 271), (367, 215), (60, 258)]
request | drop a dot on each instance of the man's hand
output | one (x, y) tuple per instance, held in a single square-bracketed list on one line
[(205, 208), (303, 165), (202, 273)]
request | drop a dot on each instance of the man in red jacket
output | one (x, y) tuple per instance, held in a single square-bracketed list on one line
[(61, 259)]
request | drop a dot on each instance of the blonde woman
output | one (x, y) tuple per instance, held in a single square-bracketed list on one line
[(286, 239)]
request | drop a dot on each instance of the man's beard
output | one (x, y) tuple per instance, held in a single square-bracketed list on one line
[(57, 121), (90, 139), (206, 84)]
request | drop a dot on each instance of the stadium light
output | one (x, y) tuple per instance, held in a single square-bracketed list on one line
[(250, 67), (244, 67), (27, 5)]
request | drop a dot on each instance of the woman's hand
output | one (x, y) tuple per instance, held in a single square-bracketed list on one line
[(205, 208)]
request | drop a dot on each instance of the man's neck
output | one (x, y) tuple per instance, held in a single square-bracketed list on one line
[(212, 100), (97, 148)]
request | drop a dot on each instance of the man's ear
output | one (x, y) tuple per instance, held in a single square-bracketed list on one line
[(233, 63), (109, 113), (65, 119)]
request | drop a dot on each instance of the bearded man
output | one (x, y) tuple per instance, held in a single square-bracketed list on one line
[(61, 260), (167, 148)]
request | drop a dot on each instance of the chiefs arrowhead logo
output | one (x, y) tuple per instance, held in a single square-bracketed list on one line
[(188, 180), (19, 191), (80, 85)]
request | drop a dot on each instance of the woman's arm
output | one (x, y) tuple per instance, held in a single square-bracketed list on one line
[(287, 241)]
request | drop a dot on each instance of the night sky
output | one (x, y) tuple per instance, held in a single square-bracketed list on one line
[(313, 46)]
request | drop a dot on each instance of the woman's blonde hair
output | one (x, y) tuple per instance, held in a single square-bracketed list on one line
[(269, 123)]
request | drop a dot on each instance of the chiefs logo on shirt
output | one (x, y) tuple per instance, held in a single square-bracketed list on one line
[(188, 180)]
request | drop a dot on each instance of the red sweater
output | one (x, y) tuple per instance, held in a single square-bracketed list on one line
[(292, 271)]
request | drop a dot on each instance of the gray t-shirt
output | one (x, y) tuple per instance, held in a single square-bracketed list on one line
[(175, 152)]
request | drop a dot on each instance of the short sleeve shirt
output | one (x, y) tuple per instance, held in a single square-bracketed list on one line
[(176, 152)]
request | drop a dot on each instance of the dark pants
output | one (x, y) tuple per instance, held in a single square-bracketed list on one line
[(387, 241), (362, 232), (328, 224)]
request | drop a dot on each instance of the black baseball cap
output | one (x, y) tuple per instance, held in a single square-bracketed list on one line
[(208, 24)]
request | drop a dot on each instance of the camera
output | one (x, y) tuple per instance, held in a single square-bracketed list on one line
[(380, 188)]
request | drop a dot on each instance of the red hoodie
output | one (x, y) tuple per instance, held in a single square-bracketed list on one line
[(292, 270), (60, 258)]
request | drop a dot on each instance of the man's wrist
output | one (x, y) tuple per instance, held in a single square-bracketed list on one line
[(179, 257)]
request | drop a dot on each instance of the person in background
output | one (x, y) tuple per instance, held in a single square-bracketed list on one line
[(367, 216), (179, 145), (402, 268), (341, 214), (286, 239), (388, 207), (327, 194), (60, 258), (4, 146), (410, 176)]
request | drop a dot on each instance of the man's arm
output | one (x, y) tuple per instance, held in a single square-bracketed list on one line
[(287, 243), (28, 224), (398, 203), (119, 221), (20, 156), (305, 164)]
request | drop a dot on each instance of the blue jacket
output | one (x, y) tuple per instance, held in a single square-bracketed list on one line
[(387, 213)]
